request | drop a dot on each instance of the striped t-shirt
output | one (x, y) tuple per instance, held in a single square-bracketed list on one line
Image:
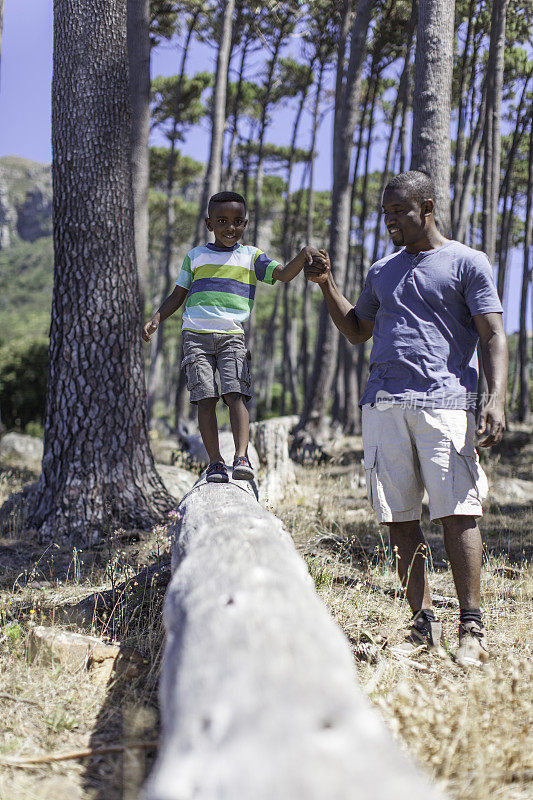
[(221, 283)]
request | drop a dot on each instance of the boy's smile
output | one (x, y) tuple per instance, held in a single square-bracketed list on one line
[(227, 221)]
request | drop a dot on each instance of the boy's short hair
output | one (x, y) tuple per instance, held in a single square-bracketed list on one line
[(416, 184), (226, 197)]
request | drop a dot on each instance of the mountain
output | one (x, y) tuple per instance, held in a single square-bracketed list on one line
[(25, 200)]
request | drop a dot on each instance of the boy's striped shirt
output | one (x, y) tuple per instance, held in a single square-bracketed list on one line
[(221, 283)]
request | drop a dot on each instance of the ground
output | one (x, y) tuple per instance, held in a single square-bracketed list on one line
[(470, 730)]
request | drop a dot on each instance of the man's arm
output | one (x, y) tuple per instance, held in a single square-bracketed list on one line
[(495, 360), (290, 270), (342, 312), (167, 308)]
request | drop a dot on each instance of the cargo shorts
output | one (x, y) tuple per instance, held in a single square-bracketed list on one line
[(204, 353), (407, 450)]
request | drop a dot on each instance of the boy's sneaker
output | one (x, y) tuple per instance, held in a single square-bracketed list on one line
[(423, 635), (473, 647), (217, 473), (242, 469)]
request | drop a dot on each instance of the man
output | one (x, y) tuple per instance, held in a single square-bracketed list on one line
[(426, 307)]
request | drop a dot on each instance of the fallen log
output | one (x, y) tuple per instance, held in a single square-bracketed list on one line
[(258, 692)]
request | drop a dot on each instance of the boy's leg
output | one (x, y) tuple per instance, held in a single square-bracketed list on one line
[(240, 422), (207, 422)]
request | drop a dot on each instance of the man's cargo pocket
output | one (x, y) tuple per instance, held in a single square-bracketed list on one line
[(468, 474), (191, 371), (370, 459)]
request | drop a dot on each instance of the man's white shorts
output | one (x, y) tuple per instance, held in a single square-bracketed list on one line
[(407, 449)]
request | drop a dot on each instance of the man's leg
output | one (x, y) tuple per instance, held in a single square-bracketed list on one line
[(463, 546), (240, 422), (408, 543), (207, 422)]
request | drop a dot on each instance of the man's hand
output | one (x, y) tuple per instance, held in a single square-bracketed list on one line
[(491, 422), (319, 269), (150, 328)]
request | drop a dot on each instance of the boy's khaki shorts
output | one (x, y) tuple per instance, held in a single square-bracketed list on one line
[(409, 449), (204, 353)]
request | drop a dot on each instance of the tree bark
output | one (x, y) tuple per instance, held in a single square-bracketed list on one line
[(472, 173), (97, 466), (524, 410), (218, 118), (138, 15), (491, 171), (431, 148), (347, 97)]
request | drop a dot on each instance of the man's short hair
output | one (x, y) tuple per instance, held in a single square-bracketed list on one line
[(416, 184), (226, 197)]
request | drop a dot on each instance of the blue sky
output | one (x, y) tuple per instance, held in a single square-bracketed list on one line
[(25, 81)]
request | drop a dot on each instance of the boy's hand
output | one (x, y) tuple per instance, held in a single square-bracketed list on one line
[(319, 269), (150, 328)]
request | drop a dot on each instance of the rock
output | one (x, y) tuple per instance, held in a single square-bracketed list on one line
[(166, 450), (21, 451), (178, 481), (76, 651), (505, 489), (25, 200)]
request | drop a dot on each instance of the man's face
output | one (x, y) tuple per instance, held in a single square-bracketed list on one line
[(227, 221), (405, 218)]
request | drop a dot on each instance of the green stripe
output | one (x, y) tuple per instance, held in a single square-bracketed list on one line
[(268, 274), (187, 264), (258, 253), (236, 273), (220, 299)]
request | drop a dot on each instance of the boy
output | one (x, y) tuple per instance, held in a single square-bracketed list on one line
[(217, 283)]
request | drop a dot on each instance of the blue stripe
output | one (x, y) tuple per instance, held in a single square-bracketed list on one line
[(260, 266), (223, 285)]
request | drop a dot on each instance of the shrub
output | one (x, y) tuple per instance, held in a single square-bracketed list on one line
[(23, 374)]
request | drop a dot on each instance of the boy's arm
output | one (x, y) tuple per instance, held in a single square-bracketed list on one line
[(306, 256), (167, 308)]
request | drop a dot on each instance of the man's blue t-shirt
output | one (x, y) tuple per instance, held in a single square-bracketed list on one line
[(424, 347)]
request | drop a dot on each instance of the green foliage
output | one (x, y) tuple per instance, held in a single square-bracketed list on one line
[(26, 280), (184, 221), (185, 168), (175, 107), (23, 374)]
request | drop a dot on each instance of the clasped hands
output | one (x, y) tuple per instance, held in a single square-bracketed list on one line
[(319, 270)]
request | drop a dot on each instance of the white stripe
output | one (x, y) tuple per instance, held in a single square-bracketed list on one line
[(236, 258)]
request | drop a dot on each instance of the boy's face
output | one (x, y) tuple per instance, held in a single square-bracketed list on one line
[(227, 221)]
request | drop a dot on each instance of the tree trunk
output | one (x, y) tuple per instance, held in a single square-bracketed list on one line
[(98, 470), (218, 117), (237, 722), (304, 349), (474, 217), (458, 168), (139, 66), (491, 171), (524, 410), (230, 167), (431, 148), (472, 173), (404, 78), (154, 374), (347, 97)]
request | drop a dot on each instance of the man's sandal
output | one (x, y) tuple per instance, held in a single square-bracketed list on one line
[(217, 473)]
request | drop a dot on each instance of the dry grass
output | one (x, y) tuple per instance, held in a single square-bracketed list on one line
[(471, 731)]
